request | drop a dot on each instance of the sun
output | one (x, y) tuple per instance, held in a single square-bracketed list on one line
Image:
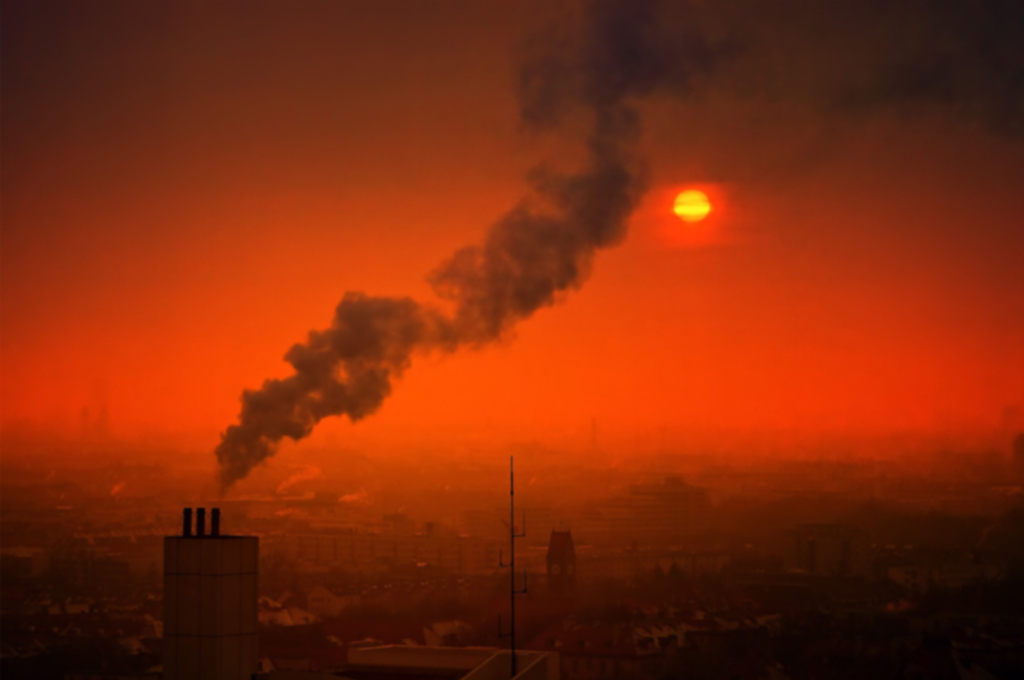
[(692, 205)]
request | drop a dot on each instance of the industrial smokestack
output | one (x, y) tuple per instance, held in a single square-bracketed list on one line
[(215, 522), (186, 523), (200, 522), (211, 632)]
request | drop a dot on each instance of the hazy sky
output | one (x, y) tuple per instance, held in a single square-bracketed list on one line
[(189, 188)]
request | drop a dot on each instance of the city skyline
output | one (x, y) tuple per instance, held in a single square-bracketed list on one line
[(517, 340)]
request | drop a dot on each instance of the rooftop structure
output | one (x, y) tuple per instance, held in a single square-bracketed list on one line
[(210, 602), (467, 663), (830, 550), (561, 560)]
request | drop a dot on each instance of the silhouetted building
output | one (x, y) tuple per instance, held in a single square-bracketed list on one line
[(669, 514), (619, 650), (950, 574), (561, 563), (388, 662), (210, 602), (324, 603), (1018, 456), (830, 550)]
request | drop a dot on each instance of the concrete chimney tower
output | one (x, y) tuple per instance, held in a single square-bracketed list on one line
[(210, 602)]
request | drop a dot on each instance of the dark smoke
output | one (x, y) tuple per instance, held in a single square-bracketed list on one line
[(849, 59), (540, 248), (842, 58)]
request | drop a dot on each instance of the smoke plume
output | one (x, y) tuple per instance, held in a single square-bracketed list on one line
[(539, 248), (303, 474)]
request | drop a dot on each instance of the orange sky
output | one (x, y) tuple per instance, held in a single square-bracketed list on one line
[(187, 192)]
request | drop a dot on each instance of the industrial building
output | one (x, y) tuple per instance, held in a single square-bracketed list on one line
[(561, 559), (210, 602), (830, 550)]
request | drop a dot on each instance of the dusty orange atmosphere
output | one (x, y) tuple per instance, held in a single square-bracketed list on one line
[(169, 231)]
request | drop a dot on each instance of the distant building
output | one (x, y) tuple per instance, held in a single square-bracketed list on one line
[(669, 514), (370, 553), (830, 550), (80, 561), (453, 633), (446, 663), (210, 602), (22, 563), (1018, 456), (561, 560), (599, 651), (323, 603), (945, 572), (602, 566), (492, 524)]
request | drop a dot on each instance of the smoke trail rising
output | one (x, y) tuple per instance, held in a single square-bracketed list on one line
[(304, 474), (535, 251)]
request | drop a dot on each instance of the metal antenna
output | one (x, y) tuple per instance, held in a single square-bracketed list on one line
[(512, 562)]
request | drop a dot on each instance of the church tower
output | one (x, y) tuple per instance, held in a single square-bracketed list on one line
[(561, 563)]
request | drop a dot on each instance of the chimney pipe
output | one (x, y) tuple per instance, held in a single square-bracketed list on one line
[(215, 522), (186, 524), (200, 522)]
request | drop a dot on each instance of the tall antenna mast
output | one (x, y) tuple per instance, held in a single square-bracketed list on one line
[(512, 562)]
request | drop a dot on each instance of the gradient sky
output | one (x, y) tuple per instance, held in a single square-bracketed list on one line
[(189, 188)]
